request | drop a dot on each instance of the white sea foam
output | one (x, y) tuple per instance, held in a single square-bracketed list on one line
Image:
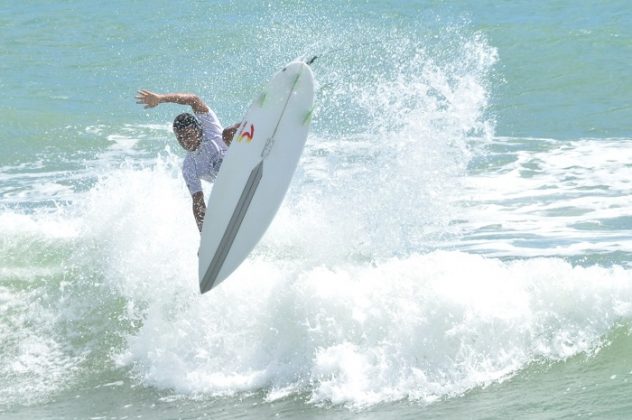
[(342, 331), (345, 331), (296, 317), (419, 328), (34, 360), (551, 197)]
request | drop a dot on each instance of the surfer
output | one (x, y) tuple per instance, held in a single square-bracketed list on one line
[(201, 135)]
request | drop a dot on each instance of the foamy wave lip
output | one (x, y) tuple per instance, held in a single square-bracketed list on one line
[(44, 226), (53, 259), (33, 363), (388, 186), (122, 142), (130, 135), (418, 328), (546, 197), (36, 360)]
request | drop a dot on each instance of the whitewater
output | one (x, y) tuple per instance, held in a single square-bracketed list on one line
[(433, 257)]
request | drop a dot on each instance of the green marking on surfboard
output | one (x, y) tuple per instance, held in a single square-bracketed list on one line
[(308, 117), (262, 99)]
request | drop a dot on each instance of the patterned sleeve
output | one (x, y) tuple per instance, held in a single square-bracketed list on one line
[(211, 127), (190, 176)]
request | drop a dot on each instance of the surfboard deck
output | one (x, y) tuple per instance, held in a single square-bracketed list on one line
[(256, 173)]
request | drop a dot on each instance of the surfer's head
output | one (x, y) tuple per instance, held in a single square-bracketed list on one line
[(188, 131)]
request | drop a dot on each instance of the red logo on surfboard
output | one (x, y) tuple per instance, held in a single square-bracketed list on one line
[(247, 135)]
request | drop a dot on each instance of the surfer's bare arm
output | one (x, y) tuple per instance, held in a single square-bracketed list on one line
[(151, 99), (199, 209), (229, 133)]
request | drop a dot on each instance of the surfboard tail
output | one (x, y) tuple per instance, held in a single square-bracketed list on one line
[(210, 277)]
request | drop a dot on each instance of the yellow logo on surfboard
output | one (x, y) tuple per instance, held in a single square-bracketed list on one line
[(247, 135)]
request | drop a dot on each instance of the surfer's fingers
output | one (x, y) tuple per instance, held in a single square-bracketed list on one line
[(142, 99)]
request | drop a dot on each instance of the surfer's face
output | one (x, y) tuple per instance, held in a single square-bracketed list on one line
[(189, 138)]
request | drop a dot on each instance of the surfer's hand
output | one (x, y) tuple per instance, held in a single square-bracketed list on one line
[(229, 133), (150, 99)]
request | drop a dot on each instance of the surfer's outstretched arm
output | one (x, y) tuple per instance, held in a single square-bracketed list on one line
[(151, 99), (199, 209)]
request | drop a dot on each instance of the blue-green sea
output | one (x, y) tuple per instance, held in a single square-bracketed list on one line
[(456, 241)]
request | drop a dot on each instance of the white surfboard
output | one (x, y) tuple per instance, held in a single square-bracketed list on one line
[(255, 173)]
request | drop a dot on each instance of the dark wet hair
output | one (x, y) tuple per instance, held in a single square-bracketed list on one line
[(185, 120)]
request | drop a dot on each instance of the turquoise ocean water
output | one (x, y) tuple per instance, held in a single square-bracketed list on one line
[(456, 242)]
